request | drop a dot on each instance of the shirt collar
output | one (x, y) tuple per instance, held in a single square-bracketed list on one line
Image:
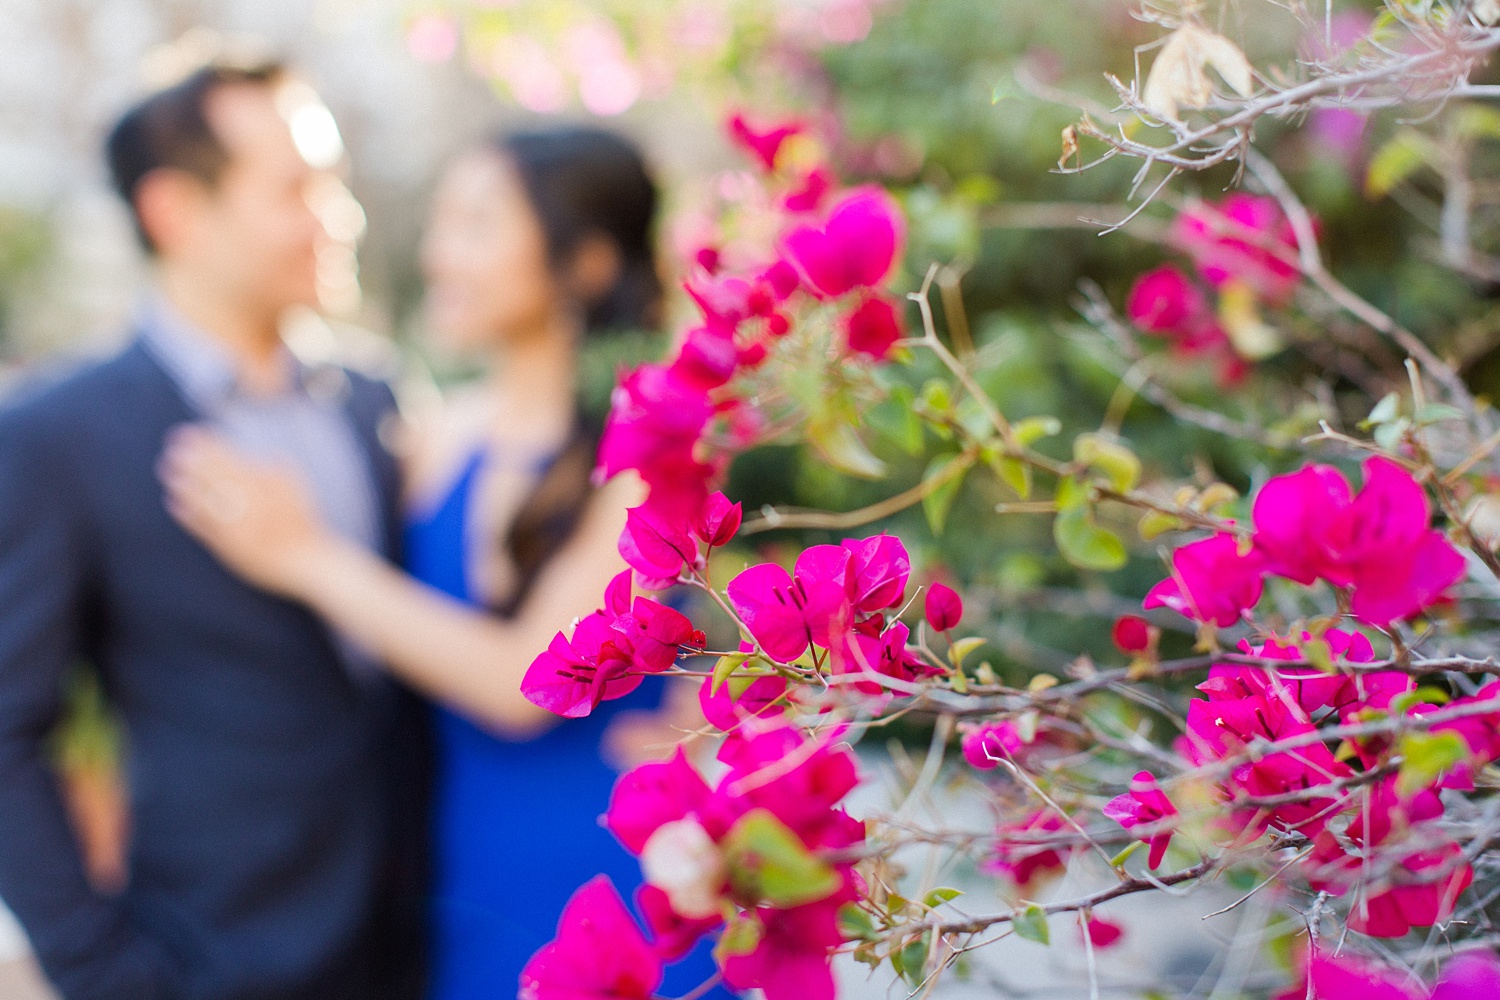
[(202, 367)]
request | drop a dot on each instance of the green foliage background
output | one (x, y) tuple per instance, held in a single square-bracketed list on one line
[(964, 93)]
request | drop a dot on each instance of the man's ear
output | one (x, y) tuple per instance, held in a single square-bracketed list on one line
[(594, 268), (167, 201)]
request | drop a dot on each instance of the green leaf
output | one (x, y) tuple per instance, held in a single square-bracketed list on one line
[(1388, 409), (1316, 652), (1155, 523), (961, 649), (896, 421), (935, 396), (1477, 121), (1084, 544), (740, 683), (768, 861), (1031, 430), (913, 960), (1426, 757), (742, 933), (1118, 463), (1436, 413), (937, 503), (1011, 471), (939, 896), (838, 442), (855, 924), (1393, 163), (726, 666), (1425, 695), (1031, 924), (1389, 435)]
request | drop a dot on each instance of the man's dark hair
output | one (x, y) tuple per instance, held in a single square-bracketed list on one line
[(171, 129)]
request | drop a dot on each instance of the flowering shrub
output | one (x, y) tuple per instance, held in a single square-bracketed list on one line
[(1300, 707)]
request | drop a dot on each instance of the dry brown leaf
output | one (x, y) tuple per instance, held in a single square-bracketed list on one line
[(1069, 146), (1179, 77)]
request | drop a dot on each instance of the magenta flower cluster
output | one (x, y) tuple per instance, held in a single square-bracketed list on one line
[(685, 833), (1310, 525), (836, 247)]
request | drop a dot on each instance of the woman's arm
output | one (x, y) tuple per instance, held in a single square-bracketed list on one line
[(464, 658), (257, 518)]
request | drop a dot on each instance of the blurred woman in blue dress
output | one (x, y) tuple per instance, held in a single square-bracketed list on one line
[(536, 242)]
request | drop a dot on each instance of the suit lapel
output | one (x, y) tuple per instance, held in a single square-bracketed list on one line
[(370, 407)]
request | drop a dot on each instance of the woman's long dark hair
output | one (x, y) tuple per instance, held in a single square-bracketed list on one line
[(583, 183)]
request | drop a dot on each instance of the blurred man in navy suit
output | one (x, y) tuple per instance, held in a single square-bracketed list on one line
[(276, 776)]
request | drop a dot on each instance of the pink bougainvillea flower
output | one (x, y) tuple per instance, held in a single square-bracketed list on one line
[(651, 795), (726, 711), (667, 814), (683, 860), (708, 357), (1292, 515), (607, 655), (1244, 709), (1131, 634), (654, 414), (718, 521), (1423, 871), (617, 594), (942, 607), (1102, 933), (1166, 301), (708, 258), (574, 674), (1444, 874), (672, 934), (884, 655), (1480, 733), (785, 612), (1313, 690), (728, 301), (873, 327), (654, 634), (599, 952), (780, 279), (810, 191), (1243, 238), (655, 547), (817, 601), (763, 144), (803, 796), (1212, 581), (791, 960), (1309, 525), (879, 568), (1028, 851), (855, 248), (1472, 975), (655, 421), (1145, 805), (984, 746), (1344, 977)]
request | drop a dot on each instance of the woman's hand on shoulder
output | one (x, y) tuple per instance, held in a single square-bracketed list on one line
[(257, 516)]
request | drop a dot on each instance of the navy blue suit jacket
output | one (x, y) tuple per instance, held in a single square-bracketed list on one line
[(277, 802)]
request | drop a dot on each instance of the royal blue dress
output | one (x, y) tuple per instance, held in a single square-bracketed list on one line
[(517, 823)]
